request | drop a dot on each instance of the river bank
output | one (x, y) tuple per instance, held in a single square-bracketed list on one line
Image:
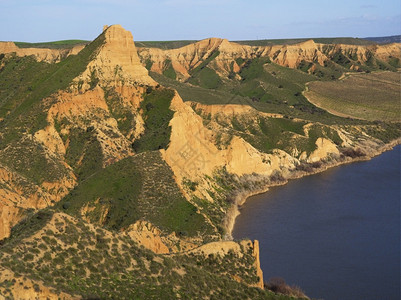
[(241, 197), (334, 234)]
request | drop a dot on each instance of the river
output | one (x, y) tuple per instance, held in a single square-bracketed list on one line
[(335, 234)]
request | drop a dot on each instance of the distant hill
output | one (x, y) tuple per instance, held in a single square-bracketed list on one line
[(165, 44), (340, 40), (65, 44), (53, 45), (385, 39)]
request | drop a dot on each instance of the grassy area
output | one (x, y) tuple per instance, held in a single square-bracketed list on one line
[(372, 96), (157, 116), (123, 114), (204, 76), (64, 44), (266, 86), (164, 44), (139, 187), (70, 256), (168, 70), (286, 134), (84, 153), (29, 158)]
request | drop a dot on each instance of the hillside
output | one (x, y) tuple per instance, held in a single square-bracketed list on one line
[(385, 39), (122, 168)]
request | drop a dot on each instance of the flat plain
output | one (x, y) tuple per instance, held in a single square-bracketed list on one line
[(373, 96)]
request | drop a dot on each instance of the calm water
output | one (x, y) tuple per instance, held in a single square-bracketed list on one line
[(334, 234)]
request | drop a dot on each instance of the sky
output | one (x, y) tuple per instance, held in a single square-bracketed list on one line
[(159, 20)]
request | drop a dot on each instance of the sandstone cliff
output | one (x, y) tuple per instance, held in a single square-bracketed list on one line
[(187, 58), (219, 154), (117, 70), (41, 54), (116, 61)]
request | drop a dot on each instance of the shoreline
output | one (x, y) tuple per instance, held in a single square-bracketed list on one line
[(243, 196)]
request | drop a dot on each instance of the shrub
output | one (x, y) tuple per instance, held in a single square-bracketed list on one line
[(353, 153), (278, 285)]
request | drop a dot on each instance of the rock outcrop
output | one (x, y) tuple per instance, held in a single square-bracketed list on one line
[(187, 58), (85, 107), (116, 61), (192, 151), (40, 54), (144, 233)]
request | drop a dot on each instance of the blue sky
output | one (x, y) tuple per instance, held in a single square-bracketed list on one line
[(48, 20)]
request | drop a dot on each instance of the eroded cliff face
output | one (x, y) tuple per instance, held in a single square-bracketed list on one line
[(193, 152), (41, 54), (203, 143), (116, 62), (187, 58), (114, 80)]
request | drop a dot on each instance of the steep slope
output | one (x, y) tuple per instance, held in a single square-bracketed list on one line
[(221, 154), (86, 123), (40, 54), (148, 185), (66, 257), (224, 56)]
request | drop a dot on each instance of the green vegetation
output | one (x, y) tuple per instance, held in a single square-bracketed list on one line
[(394, 62), (94, 263), (341, 40), (278, 133), (383, 131), (358, 96), (127, 191), (204, 76), (29, 158), (169, 70), (222, 186), (164, 44), (64, 44), (266, 86), (157, 116), (385, 39), (84, 153), (100, 260), (120, 111)]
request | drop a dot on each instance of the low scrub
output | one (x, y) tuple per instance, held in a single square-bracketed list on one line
[(278, 285)]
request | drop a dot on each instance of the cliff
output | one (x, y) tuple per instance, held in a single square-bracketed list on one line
[(114, 67), (148, 184), (225, 55), (116, 60), (41, 54)]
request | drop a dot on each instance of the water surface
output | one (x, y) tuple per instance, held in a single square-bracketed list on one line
[(335, 234)]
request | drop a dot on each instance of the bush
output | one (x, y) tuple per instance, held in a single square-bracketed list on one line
[(278, 285), (353, 153)]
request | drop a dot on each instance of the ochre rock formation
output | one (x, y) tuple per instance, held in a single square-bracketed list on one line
[(144, 233), (41, 54), (116, 61), (117, 67), (192, 152), (186, 58)]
